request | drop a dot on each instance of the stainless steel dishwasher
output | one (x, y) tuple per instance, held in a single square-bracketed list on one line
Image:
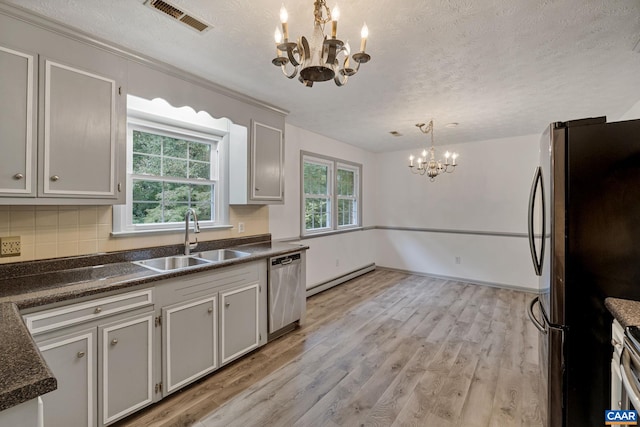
[(287, 295)]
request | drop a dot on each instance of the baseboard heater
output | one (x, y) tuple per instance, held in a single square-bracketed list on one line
[(340, 279)]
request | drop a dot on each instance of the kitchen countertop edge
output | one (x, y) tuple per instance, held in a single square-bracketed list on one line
[(626, 312), (28, 376), (24, 375)]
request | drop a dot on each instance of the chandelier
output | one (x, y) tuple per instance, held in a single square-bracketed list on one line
[(429, 165), (320, 58)]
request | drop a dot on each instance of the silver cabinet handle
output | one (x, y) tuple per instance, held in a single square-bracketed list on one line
[(257, 189), (98, 310), (18, 176), (114, 341), (81, 354), (227, 304), (55, 178), (210, 310)]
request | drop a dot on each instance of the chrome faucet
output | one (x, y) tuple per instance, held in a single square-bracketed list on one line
[(196, 229)]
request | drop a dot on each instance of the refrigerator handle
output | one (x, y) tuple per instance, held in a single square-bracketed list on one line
[(542, 327), (537, 263)]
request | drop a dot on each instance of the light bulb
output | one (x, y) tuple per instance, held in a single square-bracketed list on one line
[(284, 16), (447, 155), (424, 153), (364, 34), (277, 35), (335, 13)]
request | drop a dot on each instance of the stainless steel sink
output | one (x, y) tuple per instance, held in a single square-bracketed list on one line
[(171, 263), (221, 255)]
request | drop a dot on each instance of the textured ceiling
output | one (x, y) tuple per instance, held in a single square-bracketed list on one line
[(498, 67)]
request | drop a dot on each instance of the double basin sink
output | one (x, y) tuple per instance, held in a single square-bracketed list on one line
[(179, 262)]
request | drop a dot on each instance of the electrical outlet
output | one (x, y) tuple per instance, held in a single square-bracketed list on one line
[(241, 227), (458, 260), (10, 246), (337, 262)]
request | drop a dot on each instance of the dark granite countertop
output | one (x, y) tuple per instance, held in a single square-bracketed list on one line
[(626, 312), (23, 373)]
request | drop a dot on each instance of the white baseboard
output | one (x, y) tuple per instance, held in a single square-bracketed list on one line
[(465, 280), (339, 280)]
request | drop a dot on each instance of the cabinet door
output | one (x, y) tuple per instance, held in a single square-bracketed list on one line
[(17, 123), (190, 341), (72, 359), (78, 153), (267, 163), (126, 367), (239, 321)]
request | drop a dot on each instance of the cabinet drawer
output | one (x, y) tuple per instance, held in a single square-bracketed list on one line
[(69, 315)]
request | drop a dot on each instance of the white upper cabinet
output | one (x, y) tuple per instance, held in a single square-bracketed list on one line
[(62, 119), (257, 168), (267, 163), (17, 122), (78, 139)]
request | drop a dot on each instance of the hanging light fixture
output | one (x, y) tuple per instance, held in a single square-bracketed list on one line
[(427, 164), (321, 58)]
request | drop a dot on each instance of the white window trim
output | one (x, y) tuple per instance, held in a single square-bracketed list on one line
[(144, 115), (334, 164), (357, 172)]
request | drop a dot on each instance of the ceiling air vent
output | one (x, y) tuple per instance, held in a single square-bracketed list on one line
[(180, 15)]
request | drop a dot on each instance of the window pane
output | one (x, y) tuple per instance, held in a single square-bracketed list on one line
[(317, 213), (176, 192), (147, 191), (146, 143), (204, 212), (199, 170), (347, 212), (174, 212), (316, 179), (175, 147), (174, 167), (346, 182), (146, 165), (199, 151), (144, 213), (201, 194)]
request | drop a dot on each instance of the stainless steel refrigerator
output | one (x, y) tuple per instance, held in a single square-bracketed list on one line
[(584, 235)]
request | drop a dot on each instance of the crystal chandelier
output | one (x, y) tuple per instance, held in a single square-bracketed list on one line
[(320, 58), (429, 165)]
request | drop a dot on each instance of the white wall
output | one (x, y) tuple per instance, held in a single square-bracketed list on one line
[(330, 256), (488, 193)]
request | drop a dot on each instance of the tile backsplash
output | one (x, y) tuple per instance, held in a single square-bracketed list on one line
[(61, 231)]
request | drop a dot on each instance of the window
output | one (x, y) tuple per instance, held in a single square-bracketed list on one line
[(330, 194), (171, 174), (173, 164)]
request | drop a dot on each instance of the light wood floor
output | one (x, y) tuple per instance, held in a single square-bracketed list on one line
[(385, 349)]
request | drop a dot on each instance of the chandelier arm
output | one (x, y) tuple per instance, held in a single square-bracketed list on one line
[(293, 73), (340, 82), (291, 55)]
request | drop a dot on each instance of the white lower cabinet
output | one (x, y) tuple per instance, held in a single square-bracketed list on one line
[(72, 359), (190, 336), (240, 317), (115, 355), (126, 367), (101, 353)]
